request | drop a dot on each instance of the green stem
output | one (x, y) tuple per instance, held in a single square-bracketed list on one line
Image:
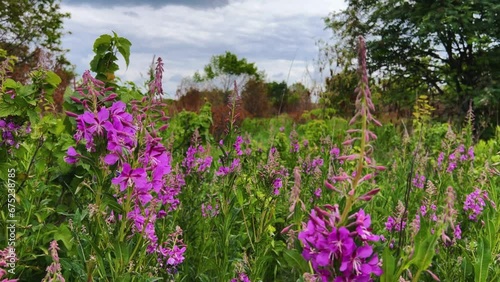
[(351, 199)]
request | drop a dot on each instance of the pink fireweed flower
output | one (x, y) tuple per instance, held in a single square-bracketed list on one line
[(237, 145), (71, 156), (155, 86), (390, 224), (317, 193), (204, 164), (394, 225), (470, 153), (189, 161), (418, 181), (475, 202), (277, 184), (96, 123), (54, 269), (360, 265), (128, 176), (235, 165), (209, 210), (335, 152), (440, 159), (423, 210), (363, 222), (334, 252), (120, 118), (242, 277)]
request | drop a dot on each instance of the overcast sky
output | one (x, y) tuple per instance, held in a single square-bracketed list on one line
[(186, 33)]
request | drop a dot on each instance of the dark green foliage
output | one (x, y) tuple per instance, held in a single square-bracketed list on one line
[(445, 49), (229, 69), (27, 22)]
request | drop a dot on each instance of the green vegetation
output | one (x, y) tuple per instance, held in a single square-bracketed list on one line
[(110, 182)]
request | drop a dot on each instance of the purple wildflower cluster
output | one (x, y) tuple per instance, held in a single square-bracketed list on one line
[(150, 178), (242, 277), (394, 224), (312, 166), (294, 141), (334, 153), (209, 210), (338, 245), (54, 269), (193, 163), (277, 185), (229, 166), (238, 146), (9, 131), (418, 181), (475, 202), (7, 257), (343, 253), (459, 155), (112, 124), (273, 171), (155, 86), (172, 251), (225, 170)]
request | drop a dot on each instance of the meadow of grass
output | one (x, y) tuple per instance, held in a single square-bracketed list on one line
[(115, 191)]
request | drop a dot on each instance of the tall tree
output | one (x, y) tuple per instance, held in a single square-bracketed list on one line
[(449, 47), (224, 69), (254, 98), (31, 28), (31, 23)]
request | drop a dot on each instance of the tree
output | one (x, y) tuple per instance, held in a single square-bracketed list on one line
[(254, 98), (277, 91), (224, 69), (31, 30), (446, 47), (25, 24)]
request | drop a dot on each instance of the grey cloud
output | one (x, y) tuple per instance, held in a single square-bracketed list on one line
[(186, 38), (201, 4), (132, 14)]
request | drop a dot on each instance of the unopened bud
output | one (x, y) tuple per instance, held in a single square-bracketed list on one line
[(71, 114)]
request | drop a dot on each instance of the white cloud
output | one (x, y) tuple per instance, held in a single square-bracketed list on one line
[(270, 33)]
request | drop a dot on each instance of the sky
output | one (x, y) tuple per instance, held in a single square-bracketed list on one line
[(279, 36)]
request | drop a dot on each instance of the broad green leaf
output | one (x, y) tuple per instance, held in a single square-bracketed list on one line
[(388, 267), (64, 234), (9, 110), (10, 84), (295, 260), (123, 46), (483, 260), (425, 248), (53, 79), (103, 40), (94, 64)]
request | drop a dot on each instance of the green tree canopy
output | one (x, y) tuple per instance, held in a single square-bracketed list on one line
[(29, 26), (31, 22), (449, 47), (226, 69)]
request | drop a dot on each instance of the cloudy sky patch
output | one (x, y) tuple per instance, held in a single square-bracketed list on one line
[(275, 34)]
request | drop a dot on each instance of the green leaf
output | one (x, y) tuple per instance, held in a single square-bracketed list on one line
[(425, 248), (53, 79), (295, 260), (102, 43), (94, 64), (64, 234), (123, 46), (388, 267), (10, 84), (9, 110), (483, 260)]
